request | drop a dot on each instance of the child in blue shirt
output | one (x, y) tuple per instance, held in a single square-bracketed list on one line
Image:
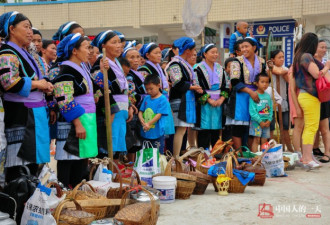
[(153, 111), (240, 34), (261, 113)]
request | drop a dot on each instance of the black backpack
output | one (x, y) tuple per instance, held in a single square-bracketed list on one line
[(21, 189)]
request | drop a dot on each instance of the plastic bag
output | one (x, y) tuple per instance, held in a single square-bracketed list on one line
[(163, 163), (103, 174), (47, 175), (37, 210), (100, 187), (147, 162), (273, 162)]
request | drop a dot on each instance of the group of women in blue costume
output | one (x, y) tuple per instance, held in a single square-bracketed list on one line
[(243, 72), (215, 84), (24, 89)]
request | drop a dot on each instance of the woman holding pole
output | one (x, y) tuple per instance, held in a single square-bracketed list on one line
[(121, 111)]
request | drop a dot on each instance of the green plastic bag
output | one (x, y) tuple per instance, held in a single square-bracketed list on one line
[(247, 153)]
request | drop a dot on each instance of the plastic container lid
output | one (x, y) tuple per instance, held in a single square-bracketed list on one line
[(164, 179)]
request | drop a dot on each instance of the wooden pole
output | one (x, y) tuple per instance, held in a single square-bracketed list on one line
[(280, 120), (274, 104), (107, 110)]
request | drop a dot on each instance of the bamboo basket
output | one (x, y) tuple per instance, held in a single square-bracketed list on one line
[(199, 164), (235, 186), (99, 212), (72, 216), (202, 182), (191, 153), (138, 213), (185, 183), (113, 193)]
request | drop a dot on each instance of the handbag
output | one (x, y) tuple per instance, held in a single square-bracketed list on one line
[(323, 89), (21, 189)]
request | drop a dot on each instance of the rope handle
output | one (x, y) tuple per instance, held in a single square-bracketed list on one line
[(75, 190), (191, 152), (61, 206), (59, 192)]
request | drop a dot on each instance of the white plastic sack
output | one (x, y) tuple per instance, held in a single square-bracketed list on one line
[(147, 162), (103, 174), (47, 175), (273, 162), (37, 210)]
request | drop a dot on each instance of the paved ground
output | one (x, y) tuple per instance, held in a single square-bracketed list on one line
[(292, 198)]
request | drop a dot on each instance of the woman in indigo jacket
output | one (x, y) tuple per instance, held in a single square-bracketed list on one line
[(73, 91)]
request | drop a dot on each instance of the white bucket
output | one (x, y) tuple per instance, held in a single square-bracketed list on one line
[(166, 185)]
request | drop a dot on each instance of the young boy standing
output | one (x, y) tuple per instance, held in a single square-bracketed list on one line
[(152, 113), (240, 34), (261, 113)]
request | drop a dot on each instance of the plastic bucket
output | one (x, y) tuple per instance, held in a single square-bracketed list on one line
[(166, 185)]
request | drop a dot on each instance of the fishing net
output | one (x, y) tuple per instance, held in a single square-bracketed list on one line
[(194, 16)]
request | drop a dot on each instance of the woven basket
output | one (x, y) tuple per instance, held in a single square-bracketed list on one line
[(201, 183), (235, 186), (185, 183), (72, 216), (221, 146), (192, 153), (260, 174), (139, 213), (113, 193), (199, 166), (99, 212)]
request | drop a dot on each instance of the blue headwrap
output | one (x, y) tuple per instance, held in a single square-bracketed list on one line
[(141, 50), (148, 48), (165, 53), (184, 43), (120, 35), (65, 47), (207, 47), (102, 38), (127, 50), (130, 44), (63, 30), (200, 53), (6, 20), (255, 41)]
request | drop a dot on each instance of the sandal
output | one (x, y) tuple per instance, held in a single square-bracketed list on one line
[(324, 160), (317, 151)]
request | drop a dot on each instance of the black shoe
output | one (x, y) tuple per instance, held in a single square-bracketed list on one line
[(317, 151), (324, 160)]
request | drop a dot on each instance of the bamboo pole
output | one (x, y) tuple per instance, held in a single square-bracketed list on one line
[(280, 120), (107, 110)]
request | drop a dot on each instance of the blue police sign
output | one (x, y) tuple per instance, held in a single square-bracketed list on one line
[(281, 28)]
